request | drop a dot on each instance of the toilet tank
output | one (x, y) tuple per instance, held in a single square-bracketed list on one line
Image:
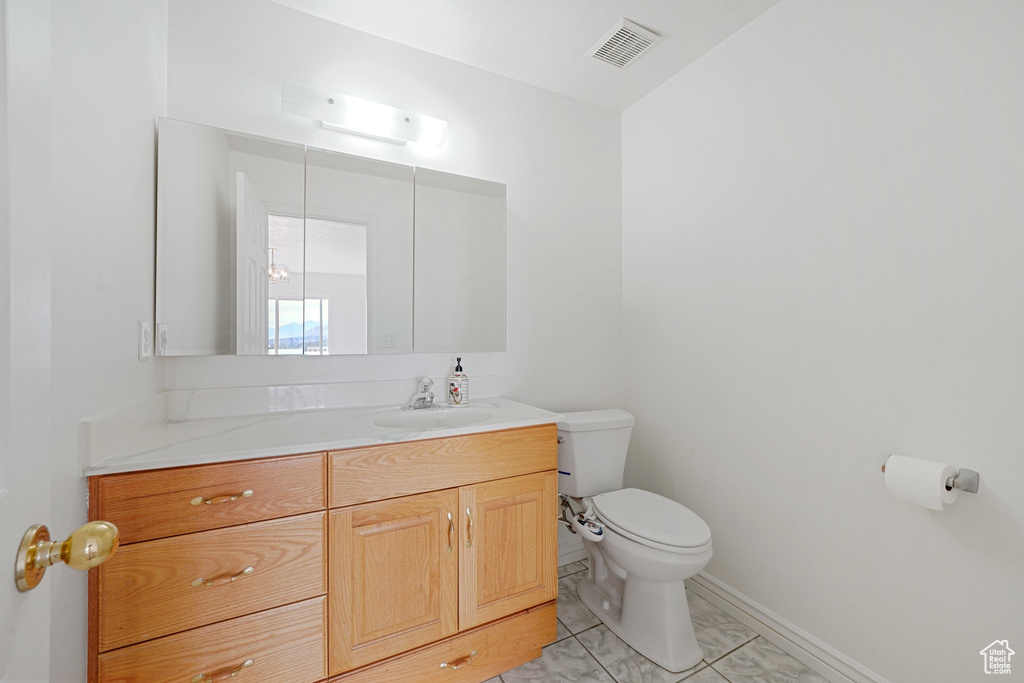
[(592, 451)]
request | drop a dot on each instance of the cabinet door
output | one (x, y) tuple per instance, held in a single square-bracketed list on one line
[(393, 577), (509, 547)]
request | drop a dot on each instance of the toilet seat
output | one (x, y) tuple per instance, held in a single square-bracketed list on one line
[(653, 520)]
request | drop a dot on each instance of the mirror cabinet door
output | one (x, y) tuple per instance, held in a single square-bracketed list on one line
[(460, 263), (229, 239), (359, 258)]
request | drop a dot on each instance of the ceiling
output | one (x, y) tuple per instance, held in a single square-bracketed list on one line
[(543, 42), (318, 245)]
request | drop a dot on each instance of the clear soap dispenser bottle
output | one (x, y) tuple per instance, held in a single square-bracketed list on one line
[(458, 386)]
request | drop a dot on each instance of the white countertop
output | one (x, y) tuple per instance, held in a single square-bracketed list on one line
[(223, 439)]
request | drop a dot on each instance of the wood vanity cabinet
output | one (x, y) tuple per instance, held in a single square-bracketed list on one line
[(416, 561)]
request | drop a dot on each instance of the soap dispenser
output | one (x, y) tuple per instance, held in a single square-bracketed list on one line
[(458, 386)]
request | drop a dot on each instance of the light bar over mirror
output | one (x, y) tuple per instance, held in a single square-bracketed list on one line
[(362, 117)]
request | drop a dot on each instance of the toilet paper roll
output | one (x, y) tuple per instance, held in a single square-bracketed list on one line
[(921, 482)]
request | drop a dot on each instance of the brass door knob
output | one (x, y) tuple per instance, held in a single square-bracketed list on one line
[(89, 546)]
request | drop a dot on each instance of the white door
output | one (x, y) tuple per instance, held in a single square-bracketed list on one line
[(24, 501), (252, 279), (25, 337)]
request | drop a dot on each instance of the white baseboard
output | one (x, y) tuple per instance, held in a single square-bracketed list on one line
[(826, 660)]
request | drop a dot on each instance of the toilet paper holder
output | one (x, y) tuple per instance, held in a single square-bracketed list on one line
[(966, 480)]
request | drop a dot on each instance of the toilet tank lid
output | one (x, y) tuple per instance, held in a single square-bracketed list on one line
[(592, 420)]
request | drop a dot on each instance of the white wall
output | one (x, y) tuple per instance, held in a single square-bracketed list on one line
[(822, 235), (108, 87), (559, 158)]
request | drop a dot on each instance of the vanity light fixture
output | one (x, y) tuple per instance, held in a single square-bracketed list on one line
[(278, 271), (355, 115)]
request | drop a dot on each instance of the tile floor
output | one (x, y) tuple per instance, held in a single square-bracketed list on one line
[(586, 651)]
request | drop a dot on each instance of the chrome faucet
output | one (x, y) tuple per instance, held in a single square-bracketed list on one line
[(423, 398)]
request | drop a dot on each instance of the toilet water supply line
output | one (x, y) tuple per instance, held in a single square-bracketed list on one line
[(583, 523)]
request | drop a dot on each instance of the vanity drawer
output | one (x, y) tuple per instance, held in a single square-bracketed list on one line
[(360, 475), (153, 588), (499, 646), (160, 503), (285, 644)]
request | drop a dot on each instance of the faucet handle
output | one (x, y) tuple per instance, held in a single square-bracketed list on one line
[(426, 383)]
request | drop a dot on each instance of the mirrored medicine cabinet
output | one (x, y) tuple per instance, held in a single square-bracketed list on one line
[(267, 247)]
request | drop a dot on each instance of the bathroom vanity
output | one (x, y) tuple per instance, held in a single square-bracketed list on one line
[(432, 557)]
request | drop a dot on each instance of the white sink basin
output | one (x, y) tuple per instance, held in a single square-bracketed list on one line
[(432, 418)]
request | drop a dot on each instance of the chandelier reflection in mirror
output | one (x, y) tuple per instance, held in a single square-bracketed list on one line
[(278, 271)]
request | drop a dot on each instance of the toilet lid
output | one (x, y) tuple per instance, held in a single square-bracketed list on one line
[(653, 517)]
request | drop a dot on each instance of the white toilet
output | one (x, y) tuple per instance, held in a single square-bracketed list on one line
[(645, 546)]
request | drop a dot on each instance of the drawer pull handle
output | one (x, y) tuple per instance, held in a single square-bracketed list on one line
[(223, 674), (461, 661), (217, 500), (224, 578), (469, 537), (451, 532)]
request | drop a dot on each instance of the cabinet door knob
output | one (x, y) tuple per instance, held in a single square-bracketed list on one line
[(461, 661), (89, 546), (469, 528)]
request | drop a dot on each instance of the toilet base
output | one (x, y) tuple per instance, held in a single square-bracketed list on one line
[(663, 635)]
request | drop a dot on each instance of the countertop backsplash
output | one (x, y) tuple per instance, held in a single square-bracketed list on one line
[(113, 432)]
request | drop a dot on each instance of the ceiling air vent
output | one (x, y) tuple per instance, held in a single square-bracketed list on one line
[(624, 44)]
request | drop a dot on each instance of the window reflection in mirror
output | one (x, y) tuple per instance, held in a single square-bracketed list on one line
[(298, 327)]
